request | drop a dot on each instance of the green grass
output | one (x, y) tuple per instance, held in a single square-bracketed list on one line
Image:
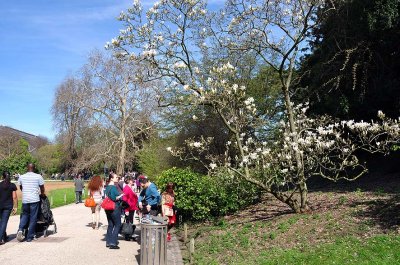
[(56, 197), (381, 249)]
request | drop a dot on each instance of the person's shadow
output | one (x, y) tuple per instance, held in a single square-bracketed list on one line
[(9, 237)]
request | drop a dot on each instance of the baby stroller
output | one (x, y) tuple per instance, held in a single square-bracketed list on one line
[(45, 218)]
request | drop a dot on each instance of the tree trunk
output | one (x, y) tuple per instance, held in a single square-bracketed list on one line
[(292, 202), (303, 196), (122, 154)]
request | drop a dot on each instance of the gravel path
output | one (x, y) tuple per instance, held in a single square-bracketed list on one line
[(74, 243)]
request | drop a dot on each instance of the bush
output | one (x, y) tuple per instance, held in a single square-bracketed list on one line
[(201, 197)]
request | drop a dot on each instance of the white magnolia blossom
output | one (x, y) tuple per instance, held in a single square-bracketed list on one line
[(213, 165), (151, 52), (197, 144), (179, 65)]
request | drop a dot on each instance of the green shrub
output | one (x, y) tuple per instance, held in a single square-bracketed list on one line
[(192, 192), (201, 197)]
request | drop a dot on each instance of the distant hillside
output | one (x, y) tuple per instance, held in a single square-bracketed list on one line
[(33, 140)]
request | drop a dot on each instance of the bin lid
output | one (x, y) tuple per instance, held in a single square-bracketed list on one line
[(155, 220), (160, 219)]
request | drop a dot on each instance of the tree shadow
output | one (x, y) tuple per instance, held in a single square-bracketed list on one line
[(382, 212), (383, 172), (390, 183), (266, 210)]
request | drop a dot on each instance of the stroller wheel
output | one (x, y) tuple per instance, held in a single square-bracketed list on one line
[(55, 228)]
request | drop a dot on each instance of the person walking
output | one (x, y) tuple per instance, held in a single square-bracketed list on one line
[(95, 188), (167, 207), (113, 216), (30, 183), (79, 186), (149, 197), (131, 198), (138, 188), (8, 204)]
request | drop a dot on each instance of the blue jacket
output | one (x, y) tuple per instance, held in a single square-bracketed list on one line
[(150, 195)]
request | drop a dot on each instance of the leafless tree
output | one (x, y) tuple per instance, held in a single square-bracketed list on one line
[(69, 117), (112, 109)]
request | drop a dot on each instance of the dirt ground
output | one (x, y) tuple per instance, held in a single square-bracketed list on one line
[(50, 185)]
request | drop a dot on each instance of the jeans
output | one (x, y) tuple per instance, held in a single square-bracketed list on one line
[(78, 196), (4, 216), (29, 216), (114, 225)]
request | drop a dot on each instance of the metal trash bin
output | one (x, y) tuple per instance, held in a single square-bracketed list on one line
[(153, 241)]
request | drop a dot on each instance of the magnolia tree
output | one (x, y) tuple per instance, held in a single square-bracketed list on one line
[(326, 147), (195, 52)]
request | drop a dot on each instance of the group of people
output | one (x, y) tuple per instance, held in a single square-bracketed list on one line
[(122, 192), (30, 185)]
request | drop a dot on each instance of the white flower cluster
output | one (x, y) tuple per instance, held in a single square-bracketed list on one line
[(179, 65), (151, 52), (195, 144)]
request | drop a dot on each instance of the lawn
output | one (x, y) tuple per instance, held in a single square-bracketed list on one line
[(59, 193)]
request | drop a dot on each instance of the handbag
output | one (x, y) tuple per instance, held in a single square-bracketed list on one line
[(124, 205), (89, 202), (126, 228), (108, 204), (168, 211)]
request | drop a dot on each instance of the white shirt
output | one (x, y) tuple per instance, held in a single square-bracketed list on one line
[(30, 183)]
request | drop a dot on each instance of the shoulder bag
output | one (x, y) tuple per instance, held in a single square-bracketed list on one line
[(108, 204)]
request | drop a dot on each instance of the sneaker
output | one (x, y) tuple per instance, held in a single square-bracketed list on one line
[(114, 247), (31, 239), (20, 236)]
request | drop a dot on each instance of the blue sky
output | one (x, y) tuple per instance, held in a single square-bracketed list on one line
[(41, 43)]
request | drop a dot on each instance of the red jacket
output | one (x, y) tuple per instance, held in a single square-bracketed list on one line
[(131, 198)]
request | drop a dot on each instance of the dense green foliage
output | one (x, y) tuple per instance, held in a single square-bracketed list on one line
[(50, 158), (17, 161), (201, 197), (353, 69), (154, 158)]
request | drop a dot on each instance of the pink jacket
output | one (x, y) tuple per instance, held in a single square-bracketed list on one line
[(131, 198)]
